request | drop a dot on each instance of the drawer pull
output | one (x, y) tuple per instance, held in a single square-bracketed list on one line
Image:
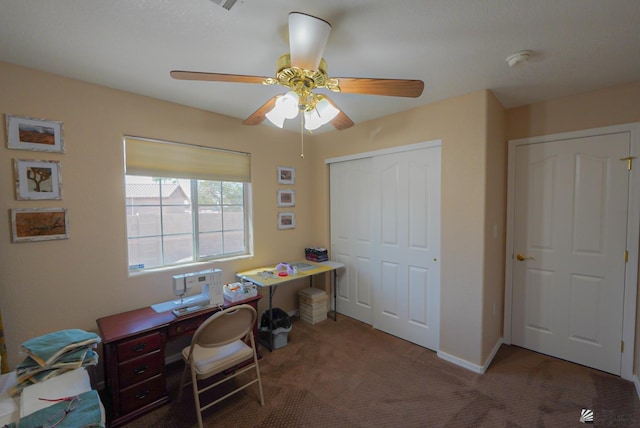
[(141, 369), (142, 394), (139, 347)]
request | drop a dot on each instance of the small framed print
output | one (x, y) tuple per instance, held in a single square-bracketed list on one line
[(286, 220), (37, 179), (39, 224), (286, 175), (25, 133), (286, 198)]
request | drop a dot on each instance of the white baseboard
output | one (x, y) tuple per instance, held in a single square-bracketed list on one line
[(469, 365), (460, 362), (492, 355), (636, 382)]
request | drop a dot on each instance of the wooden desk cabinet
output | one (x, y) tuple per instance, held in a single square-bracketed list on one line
[(134, 356)]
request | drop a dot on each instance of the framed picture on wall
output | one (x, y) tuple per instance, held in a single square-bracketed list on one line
[(286, 198), (39, 224), (286, 220), (37, 179), (286, 175), (25, 133)]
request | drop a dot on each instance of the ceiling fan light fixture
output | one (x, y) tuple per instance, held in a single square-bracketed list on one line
[(308, 37), (312, 120), (326, 110), (276, 117), (323, 113), (288, 103), (286, 107)]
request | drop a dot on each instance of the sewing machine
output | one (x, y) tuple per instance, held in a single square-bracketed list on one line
[(211, 293)]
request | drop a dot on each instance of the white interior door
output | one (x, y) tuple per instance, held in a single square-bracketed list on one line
[(385, 228), (407, 255), (569, 232), (351, 241)]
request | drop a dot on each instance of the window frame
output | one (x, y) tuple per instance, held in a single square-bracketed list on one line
[(194, 204)]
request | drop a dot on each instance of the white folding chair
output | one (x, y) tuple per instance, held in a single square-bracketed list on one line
[(223, 342)]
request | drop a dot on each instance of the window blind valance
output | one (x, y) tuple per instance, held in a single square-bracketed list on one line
[(175, 160)]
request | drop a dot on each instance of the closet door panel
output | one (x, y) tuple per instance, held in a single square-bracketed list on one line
[(351, 236)]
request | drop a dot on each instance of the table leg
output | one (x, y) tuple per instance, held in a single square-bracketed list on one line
[(270, 318), (335, 295)]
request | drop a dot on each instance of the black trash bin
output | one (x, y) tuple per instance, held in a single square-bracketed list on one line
[(280, 326)]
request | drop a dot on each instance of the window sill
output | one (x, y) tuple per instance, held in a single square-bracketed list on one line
[(194, 265)]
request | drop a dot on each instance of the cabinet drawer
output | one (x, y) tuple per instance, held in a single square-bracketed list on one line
[(141, 394), (139, 369), (138, 346), (188, 326)]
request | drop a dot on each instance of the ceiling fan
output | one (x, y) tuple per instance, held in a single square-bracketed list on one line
[(303, 70)]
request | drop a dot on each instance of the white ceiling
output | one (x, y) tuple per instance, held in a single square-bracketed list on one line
[(454, 46)]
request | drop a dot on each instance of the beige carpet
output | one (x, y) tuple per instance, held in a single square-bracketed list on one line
[(346, 374)]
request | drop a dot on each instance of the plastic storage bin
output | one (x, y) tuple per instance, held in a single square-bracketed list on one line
[(239, 291), (280, 327)]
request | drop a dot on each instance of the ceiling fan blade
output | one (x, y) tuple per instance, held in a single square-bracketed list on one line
[(341, 121), (258, 116), (388, 87), (216, 77), (308, 37)]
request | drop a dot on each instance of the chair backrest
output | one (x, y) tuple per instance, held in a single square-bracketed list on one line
[(225, 326)]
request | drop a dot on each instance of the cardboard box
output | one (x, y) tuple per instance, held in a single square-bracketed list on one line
[(313, 305)]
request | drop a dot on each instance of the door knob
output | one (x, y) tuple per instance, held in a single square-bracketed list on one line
[(523, 258)]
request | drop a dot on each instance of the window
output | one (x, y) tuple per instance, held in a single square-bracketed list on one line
[(184, 203)]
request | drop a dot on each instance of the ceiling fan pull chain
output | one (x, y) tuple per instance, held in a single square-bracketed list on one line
[(302, 136)]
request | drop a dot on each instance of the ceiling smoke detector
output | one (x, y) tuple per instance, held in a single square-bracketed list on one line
[(518, 58)]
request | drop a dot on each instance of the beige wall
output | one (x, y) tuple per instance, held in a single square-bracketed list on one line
[(611, 106), (463, 124), (494, 227), (45, 286)]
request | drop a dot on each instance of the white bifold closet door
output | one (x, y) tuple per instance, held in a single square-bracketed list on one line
[(385, 227)]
